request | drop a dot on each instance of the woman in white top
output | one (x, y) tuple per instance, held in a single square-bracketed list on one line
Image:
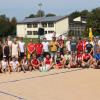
[(15, 49), (4, 65)]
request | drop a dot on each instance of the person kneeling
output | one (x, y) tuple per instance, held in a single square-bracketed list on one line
[(4, 65), (47, 63), (35, 63), (24, 64), (14, 65), (59, 61)]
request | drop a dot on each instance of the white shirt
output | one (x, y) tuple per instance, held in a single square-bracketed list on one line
[(68, 46), (45, 46), (4, 64), (21, 46), (14, 64), (10, 43), (14, 49)]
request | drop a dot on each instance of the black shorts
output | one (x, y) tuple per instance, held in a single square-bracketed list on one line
[(21, 55)]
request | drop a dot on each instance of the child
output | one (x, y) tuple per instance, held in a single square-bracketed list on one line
[(14, 65), (79, 58), (97, 58), (59, 61), (24, 64), (73, 61), (67, 58), (35, 63), (48, 63), (4, 65), (86, 59)]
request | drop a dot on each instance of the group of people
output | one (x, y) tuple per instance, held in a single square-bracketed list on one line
[(16, 55)]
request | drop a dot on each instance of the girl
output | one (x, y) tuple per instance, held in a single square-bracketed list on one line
[(59, 61), (48, 63), (24, 64), (4, 65), (73, 61), (35, 63), (67, 58)]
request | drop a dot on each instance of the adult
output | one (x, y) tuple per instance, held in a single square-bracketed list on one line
[(73, 44), (15, 48), (21, 46), (45, 47), (30, 49), (9, 44), (53, 47), (6, 50), (68, 45), (61, 45), (1, 50), (89, 47)]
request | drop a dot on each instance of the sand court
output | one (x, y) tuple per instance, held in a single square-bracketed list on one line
[(64, 84)]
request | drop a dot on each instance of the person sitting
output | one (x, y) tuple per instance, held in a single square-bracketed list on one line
[(14, 65), (67, 57), (86, 59), (35, 63), (73, 60), (24, 64), (59, 61), (97, 58), (48, 62), (4, 65), (79, 58)]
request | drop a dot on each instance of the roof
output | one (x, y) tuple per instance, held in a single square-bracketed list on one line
[(42, 19)]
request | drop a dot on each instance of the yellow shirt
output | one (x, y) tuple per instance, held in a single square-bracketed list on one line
[(53, 46)]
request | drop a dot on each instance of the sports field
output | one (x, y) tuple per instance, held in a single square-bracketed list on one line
[(64, 84)]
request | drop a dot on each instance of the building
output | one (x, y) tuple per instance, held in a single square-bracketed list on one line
[(29, 26), (77, 26)]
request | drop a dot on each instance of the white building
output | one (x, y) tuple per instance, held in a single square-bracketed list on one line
[(29, 27)]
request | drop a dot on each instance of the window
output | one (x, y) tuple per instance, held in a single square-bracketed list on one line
[(44, 24), (35, 25), (29, 25), (34, 32), (45, 32), (29, 32), (50, 32), (50, 24)]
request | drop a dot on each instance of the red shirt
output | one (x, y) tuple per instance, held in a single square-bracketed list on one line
[(47, 60), (86, 56), (35, 62), (39, 48), (31, 48), (84, 45), (79, 56), (80, 46)]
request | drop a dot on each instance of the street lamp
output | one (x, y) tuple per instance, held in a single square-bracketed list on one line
[(40, 6)]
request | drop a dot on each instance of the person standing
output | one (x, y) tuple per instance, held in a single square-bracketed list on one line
[(9, 44), (15, 49), (73, 44), (53, 47), (68, 45), (1, 50), (6, 50), (61, 45), (45, 47), (21, 46)]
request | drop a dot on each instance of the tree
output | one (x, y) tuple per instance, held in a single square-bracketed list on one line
[(13, 25), (40, 13), (50, 14)]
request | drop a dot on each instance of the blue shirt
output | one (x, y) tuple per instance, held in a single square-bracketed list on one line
[(97, 56)]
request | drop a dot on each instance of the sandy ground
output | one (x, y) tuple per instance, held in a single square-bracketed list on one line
[(65, 84)]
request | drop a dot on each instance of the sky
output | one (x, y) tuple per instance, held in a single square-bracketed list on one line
[(23, 8)]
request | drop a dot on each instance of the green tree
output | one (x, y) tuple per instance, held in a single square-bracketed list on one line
[(50, 14)]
